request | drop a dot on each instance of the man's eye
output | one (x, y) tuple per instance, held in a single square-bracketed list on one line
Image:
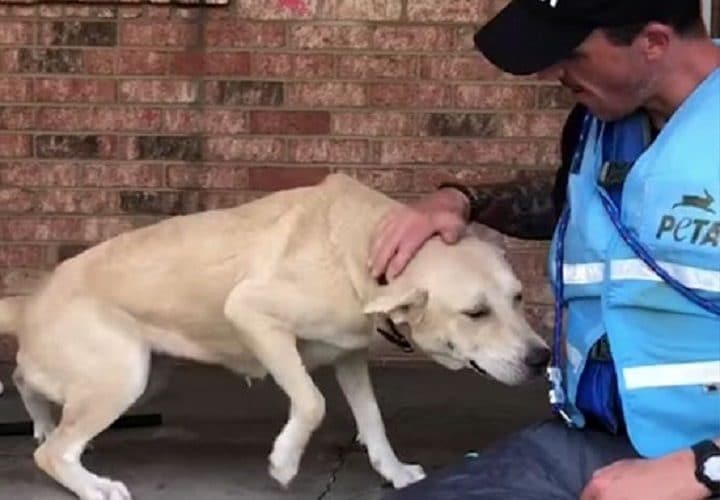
[(480, 313)]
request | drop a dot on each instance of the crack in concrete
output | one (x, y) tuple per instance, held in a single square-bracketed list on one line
[(342, 452)]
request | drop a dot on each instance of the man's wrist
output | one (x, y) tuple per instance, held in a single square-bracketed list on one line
[(704, 456), (685, 460)]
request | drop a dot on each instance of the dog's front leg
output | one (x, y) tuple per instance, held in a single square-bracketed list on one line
[(275, 347), (354, 379)]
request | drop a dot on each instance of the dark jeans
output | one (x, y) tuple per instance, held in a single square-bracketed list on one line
[(548, 461)]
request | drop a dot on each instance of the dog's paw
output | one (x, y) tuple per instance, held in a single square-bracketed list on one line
[(283, 473), (105, 489), (284, 465), (406, 474)]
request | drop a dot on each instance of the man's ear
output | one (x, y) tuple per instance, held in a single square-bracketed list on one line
[(401, 305), (654, 40)]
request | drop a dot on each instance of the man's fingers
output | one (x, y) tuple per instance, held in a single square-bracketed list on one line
[(384, 230), (450, 227), (405, 251), (591, 491), (378, 236), (386, 247), (607, 468), (587, 494), (401, 233), (596, 488), (451, 234)]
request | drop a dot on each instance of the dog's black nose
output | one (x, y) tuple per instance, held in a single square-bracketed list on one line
[(538, 358)]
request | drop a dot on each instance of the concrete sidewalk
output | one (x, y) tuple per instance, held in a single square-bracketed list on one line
[(217, 433)]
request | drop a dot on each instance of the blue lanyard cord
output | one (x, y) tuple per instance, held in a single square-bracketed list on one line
[(559, 286), (647, 258), (554, 370)]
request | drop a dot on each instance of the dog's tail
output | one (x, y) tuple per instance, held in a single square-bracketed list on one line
[(19, 290), (12, 310)]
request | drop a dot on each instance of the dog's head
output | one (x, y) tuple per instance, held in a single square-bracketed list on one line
[(462, 305)]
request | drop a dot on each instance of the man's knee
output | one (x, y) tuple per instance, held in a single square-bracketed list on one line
[(545, 460)]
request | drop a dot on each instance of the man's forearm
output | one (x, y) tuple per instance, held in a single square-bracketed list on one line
[(522, 209)]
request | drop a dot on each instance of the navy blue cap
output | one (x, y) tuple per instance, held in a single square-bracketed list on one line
[(531, 35)]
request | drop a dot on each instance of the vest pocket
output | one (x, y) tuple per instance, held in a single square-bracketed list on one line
[(661, 420)]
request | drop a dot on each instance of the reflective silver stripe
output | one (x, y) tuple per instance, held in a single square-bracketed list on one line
[(692, 277), (583, 274), (681, 374), (635, 269)]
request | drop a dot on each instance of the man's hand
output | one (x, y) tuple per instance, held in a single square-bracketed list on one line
[(404, 230), (667, 478)]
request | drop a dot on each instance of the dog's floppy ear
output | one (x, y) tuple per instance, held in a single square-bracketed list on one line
[(401, 305)]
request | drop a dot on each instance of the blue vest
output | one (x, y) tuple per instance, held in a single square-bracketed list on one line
[(665, 348)]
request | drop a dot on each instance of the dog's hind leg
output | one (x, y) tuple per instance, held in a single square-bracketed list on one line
[(354, 380), (103, 369), (37, 405), (60, 455), (84, 416), (276, 349)]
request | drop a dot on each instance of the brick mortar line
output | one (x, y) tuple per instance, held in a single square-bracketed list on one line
[(360, 167), (369, 25), (349, 50), (536, 167), (243, 135), (163, 106), (291, 23), (407, 112), (117, 189), (270, 79), (277, 135), (238, 108), (338, 138)]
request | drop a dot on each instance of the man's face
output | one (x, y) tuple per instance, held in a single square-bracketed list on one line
[(611, 80)]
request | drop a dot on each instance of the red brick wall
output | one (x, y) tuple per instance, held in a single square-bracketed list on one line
[(112, 117)]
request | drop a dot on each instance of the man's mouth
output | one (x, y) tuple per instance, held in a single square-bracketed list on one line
[(477, 368)]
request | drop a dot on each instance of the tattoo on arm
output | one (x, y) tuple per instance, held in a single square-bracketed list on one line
[(522, 209), (529, 208)]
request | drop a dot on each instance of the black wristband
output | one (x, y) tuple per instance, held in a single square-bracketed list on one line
[(702, 452), (474, 211)]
